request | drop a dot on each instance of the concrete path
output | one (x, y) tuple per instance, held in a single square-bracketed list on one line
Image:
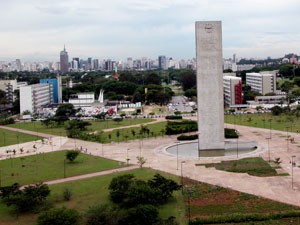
[(278, 188)]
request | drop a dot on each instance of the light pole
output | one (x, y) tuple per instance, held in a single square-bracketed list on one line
[(182, 177), (64, 168), (127, 159), (268, 138), (287, 138), (237, 146), (177, 142), (270, 120), (293, 162)]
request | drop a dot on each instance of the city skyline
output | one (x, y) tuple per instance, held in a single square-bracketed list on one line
[(37, 30)]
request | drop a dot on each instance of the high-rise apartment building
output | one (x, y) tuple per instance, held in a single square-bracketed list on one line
[(233, 94), (35, 96), (9, 86), (64, 61), (262, 83), (162, 62)]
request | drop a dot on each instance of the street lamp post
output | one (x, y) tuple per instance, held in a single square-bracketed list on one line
[(270, 128), (268, 138), (127, 159), (182, 177), (293, 163), (237, 147), (177, 142), (287, 138), (64, 168)]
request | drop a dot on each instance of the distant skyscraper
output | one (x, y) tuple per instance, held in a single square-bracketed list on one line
[(95, 64), (162, 62), (64, 61)]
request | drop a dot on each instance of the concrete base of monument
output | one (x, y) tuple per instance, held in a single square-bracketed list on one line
[(190, 149)]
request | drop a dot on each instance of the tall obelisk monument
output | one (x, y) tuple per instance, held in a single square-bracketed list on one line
[(210, 85)]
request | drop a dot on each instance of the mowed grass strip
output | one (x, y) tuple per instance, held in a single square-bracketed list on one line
[(92, 191), (253, 166), (50, 166), (8, 137), (283, 122), (37, 126)]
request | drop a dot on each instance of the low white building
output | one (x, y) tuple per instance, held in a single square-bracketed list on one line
[(82, 99), (262, 83), (33, 97)]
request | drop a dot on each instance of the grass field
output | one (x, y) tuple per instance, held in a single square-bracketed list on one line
[(283, 122), (11, 138), (93, 191), (206, 201), (253, 166), (50, 166), (60, 130)]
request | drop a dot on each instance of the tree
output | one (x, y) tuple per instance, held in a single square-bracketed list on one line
[(276, 110), (64, 111), (59, 216), (188, 79), (71, 155), (119, 186), (141, 161), (103, 215), (25, 199), (142, 214), (164, 187)]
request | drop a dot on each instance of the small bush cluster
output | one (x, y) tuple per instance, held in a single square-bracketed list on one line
[(176, 127), (174, 117), (230, 133), (6, 121), (187, 137)]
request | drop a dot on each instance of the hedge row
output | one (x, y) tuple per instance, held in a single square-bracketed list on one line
[(174, 117), (241, 218), (229, 133), (178, 127)]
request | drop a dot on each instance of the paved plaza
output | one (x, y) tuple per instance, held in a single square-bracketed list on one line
[(278, 188)]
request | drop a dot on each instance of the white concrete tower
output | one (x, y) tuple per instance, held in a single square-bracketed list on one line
[(210, 85)]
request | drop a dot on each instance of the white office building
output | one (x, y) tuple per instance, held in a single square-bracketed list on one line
[(261, 82), (34, 97), (232, 90), (82, 99)]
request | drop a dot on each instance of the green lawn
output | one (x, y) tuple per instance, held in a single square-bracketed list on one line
[(60, 130), (206, 201), (50, 166), (253, 166), (93, 191), (11, 138), (127, 133), (282, 122)]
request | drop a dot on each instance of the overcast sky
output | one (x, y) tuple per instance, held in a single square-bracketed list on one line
[(117, 29)]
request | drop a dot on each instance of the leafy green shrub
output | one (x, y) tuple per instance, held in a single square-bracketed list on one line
[(59, 216), (178, 127), (230, 133), (103, 215), (187, 137), (67, 194), (6, 121), (174, 117), (71, 155)]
